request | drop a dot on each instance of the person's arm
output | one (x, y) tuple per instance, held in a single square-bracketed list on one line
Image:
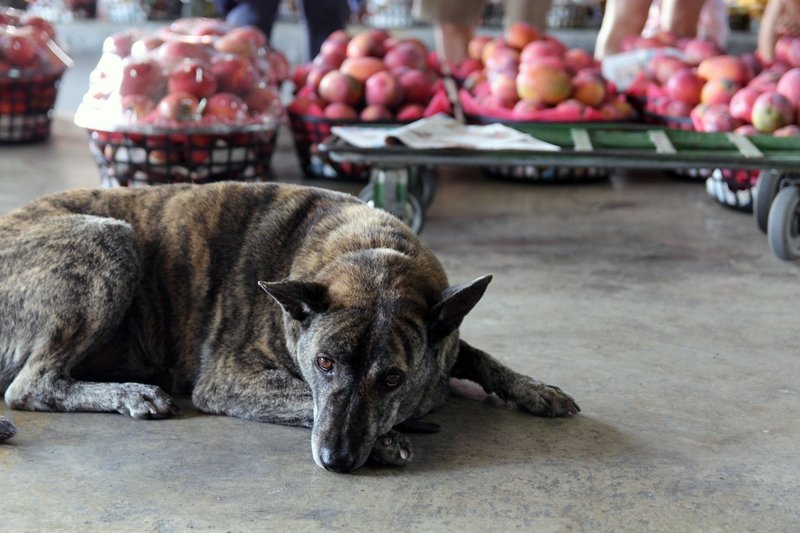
[(780, 16), (622, 18)]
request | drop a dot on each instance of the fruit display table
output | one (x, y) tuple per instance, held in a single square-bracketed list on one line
[(598, 145)]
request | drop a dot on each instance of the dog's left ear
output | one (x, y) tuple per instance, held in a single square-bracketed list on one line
[(298, 298), (458, 300)]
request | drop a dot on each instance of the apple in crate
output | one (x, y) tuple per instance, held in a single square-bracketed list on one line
[(172, 53), (696, 50), (362, 68), (140, 76), (772, 111), (315, 75), (179, 106), (519, 34), (416, 85), (336, 86), (543, 82), (233, 73), (18, 50), (340, 111), (719, 91), (789, 86), (226, 107), (538, 49), (245, 40), (262, 98), (383, 89), (787, 131), (136, 107), (406, 54), (410, 112), (741, 105), (589, 87), (120, 43), (685, 86), (192, 77), (368, 44), (375, 113)]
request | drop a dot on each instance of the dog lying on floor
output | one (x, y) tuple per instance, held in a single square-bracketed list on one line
[(109, 298)]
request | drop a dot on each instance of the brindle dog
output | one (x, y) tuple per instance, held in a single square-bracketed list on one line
[(108, 298)]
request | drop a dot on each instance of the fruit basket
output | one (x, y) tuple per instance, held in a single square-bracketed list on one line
[(31, 66), (370, 78), (136, 158), (195, 102)]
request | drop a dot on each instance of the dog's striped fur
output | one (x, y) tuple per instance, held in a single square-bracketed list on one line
[(110, 298)]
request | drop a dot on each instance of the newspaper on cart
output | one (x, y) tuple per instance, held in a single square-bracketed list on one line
[(442, 131)]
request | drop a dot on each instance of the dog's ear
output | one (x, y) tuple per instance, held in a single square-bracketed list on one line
[(298, 298), (445, 317)]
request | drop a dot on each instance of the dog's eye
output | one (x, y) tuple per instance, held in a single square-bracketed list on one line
[(325, 364), (392, 380)]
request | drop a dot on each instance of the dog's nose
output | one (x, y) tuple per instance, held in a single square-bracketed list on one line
[(336, 460)]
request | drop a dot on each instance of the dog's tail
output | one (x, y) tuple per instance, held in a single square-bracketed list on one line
[(7, 429)]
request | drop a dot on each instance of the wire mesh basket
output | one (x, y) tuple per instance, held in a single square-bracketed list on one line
[(131, 159), (26, 107)]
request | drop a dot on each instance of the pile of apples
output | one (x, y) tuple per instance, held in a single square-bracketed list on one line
[(370, 77), (525, 75), (712, 92), (27, 46), (196, 73)]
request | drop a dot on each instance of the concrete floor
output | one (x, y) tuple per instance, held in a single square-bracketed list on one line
[(664, 314)]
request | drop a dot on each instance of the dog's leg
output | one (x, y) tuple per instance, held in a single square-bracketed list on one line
[(65, 284), (529, 395), (250, 391)]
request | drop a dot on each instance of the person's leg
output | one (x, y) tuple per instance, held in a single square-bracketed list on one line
[(323, 17), (453, 25), (534, 12), (622, 19), (258, 13), (681, 16)]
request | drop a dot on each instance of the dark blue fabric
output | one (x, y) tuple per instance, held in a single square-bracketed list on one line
[(320, 17)]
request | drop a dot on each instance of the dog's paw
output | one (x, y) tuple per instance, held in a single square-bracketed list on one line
[(393, 449), (540, 399), (144, 401)]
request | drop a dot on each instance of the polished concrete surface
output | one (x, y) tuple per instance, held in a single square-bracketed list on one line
[(663, 313)]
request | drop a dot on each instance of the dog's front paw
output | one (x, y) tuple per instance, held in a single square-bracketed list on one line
[(144, 401), (540, 399), (393, 449)]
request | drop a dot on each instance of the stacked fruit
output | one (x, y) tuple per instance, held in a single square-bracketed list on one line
[(526, 76), (196, 73), (31, 63), (197, 101), (369, 77), (725, 93)]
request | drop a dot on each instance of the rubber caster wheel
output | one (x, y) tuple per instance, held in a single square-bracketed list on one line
[(783, 229), (424, 185), (414, 213), (768, 184)]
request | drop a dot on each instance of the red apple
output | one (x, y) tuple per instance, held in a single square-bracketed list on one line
[(416, 86), (538, 49), (789, 86), (519, 34), (410, 113), (263, 99), (406, 54), (336, 86), (140, 77), (741, 105), (245, 40), (18, 50), (234, 73), (136, 106), (685, 86), (40, 23), (226, 107), (192, 77), (383, 89), (172, 53), (368, 43), (315, 75), (120, 43), (179, 106), (340, 111), (375, 113)]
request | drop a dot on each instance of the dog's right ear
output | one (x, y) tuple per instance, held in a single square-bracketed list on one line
[(456, 301), (298, 298)]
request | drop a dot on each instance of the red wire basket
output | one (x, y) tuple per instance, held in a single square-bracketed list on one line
[(26, 107)]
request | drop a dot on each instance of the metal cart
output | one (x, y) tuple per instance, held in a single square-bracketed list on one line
[(403, 183)]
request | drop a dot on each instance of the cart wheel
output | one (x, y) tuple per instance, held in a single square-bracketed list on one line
[(425, 185), (784, 224), (414, 214), (769, 182)]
